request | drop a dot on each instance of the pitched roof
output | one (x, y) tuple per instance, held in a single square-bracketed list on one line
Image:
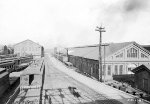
[(92, 52), (141, 67), (28, 40)]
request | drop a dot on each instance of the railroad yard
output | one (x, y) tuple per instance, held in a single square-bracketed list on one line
[(49, 81)]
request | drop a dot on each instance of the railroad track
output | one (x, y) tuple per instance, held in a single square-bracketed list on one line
[(87, 95)]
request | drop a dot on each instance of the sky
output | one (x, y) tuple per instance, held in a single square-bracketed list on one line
[(69, 23)]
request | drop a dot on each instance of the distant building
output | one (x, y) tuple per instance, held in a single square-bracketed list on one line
[(117, 58), (142, 77), (5, 50), (29, 47)]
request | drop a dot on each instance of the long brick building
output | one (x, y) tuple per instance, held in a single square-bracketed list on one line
[(117, 58)]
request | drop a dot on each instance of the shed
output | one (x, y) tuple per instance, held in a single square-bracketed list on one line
[(142, 77)]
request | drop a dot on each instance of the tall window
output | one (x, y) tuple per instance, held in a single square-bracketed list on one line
[(37, 49), (29, 48), (94, 70), (104, 68), (132, 53), (97, 68), (22, 48), (121, 69), (116, 70), (109, 70)]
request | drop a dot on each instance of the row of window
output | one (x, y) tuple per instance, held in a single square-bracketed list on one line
[(8, 67), (118, 70), (107, 69), (131, 53)]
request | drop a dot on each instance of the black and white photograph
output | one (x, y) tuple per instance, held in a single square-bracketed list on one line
[(74, 51)]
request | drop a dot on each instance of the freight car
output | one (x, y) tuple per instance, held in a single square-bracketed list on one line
[(7, 56), (8, 64), (25, 59), (30, 84), (20, 60), (4, 81), (14, 63)]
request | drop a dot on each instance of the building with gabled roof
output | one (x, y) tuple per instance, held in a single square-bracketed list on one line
[(28, 47), (142, 77), (117, 58)]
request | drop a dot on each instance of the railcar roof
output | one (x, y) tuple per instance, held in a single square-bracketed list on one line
[(32, 70)]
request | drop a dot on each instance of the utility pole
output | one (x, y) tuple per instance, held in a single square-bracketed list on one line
[(104, 70), (100, 29)]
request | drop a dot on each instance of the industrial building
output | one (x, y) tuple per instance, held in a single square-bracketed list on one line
[(28, 47), (117, 58)]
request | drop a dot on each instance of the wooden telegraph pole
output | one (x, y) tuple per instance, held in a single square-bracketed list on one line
[(100, 29)]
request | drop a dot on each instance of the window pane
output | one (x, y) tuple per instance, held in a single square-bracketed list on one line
[(132, 53), (116, 69), (121, 69), (104, 68), (109, 70)]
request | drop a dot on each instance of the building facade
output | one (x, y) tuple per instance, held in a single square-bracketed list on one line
[(117, 58), (29, 47)]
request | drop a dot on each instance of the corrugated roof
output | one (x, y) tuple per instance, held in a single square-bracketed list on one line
[(92, 52)]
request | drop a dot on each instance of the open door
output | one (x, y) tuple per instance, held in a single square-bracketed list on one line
[(31, 78)]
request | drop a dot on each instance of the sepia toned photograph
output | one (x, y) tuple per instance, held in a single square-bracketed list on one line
[(74, 51)]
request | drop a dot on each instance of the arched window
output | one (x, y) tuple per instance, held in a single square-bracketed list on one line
[(132, 53)]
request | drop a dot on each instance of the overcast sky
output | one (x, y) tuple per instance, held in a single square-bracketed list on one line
[(73, 22)]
